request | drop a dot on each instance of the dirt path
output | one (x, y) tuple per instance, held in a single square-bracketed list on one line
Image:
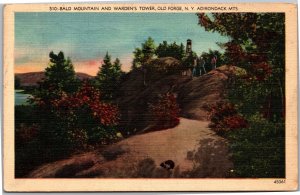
[(184, 145), (196, 150), (170, 144)]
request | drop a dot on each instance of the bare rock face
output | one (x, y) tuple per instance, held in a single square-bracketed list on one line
[(193, 94), (164, 65), (67, 168), (85, 165), (210, 88), (201, 91)]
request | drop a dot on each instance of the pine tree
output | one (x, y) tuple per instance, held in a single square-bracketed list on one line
[(137, 60), (117, 73), (117, 66), (144, 54), (148, 49), (59, 78), (105, 69), (170, 50), (108, 77)]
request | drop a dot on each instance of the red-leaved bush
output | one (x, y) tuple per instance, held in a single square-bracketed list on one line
[(235, 53), (165, 111), (261, 70), (88, 97), (235, 122), (26, 133), (77, 120), (224, 117)]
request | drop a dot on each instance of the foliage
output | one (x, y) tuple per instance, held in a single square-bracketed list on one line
[(165, 111), (64, 116), (70, 123), (81, 115), (224, 118), (117, 73), (258, 151), (144, 54), (27, 146), (138, 58), (170, 50), (59, 77), (262, 42), (24, 114), (258, 95), (108, 77), (26, 133), (87, 95), (260, 50)]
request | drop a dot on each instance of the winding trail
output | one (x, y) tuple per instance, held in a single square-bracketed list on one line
[(170, 144), (190, 136)]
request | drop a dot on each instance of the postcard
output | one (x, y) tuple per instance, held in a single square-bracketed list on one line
[(150, 97)]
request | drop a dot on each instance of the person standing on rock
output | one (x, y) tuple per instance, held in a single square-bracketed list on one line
[(194, 72), (214, 62), (202, 65)]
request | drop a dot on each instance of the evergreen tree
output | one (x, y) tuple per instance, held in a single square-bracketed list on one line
[(148, 49), (117, 73), (161, 50), (108, 77), (117, 66), (105, 69), (170, 50), (137, 60), (144, 54), (59, 78), (182, 51)]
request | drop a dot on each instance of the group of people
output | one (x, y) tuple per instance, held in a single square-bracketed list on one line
[(200, 64)]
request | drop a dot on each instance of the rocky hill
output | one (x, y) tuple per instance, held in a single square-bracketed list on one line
[(195, 149), (32, 78), (193, 94)]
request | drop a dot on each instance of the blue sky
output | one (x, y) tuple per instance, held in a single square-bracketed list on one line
[(86, 37)]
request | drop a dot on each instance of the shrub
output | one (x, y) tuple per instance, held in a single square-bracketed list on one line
[(74, 121), (78, 138), (258, 150), (224, 118), (258, 93), (25, 114), (165, 111), (26, 133), (261, 71), (87, 99)]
